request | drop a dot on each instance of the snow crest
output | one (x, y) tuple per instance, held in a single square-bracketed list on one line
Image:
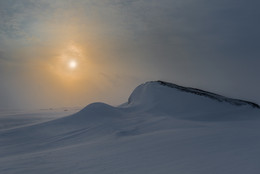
[(175, 96)]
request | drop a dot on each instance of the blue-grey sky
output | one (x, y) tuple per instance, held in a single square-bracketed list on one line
[(118, 44)]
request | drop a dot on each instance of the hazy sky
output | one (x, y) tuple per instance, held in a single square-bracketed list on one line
[(118, 44)]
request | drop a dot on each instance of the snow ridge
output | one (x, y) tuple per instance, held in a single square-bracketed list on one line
[(211, 95)]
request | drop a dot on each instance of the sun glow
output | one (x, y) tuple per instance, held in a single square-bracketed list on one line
[(69, 67), (72, 64)]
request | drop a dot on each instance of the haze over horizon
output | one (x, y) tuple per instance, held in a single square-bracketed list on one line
[(72, 53)]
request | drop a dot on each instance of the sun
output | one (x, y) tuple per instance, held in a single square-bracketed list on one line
[(72, 64)]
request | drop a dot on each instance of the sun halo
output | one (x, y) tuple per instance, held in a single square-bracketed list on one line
[(72, 64)]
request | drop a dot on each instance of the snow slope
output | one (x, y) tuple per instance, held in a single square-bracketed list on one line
[(163, 128)]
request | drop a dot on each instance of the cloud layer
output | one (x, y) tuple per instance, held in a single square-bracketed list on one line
[(212, 45)]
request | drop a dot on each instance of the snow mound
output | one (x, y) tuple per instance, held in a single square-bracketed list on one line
[(166, 98), (98, 110)]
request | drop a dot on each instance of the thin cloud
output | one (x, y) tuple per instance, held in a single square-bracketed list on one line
[(208, 44)]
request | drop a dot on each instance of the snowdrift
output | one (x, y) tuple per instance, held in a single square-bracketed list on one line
[(160, 97), (181, 97), (163, 128)]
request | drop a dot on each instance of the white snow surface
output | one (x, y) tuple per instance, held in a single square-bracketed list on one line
[(162, 129)]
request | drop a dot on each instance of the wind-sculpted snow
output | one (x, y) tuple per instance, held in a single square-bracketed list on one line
[(163, 128), (151, 92), (188, 103), (210, 95)]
